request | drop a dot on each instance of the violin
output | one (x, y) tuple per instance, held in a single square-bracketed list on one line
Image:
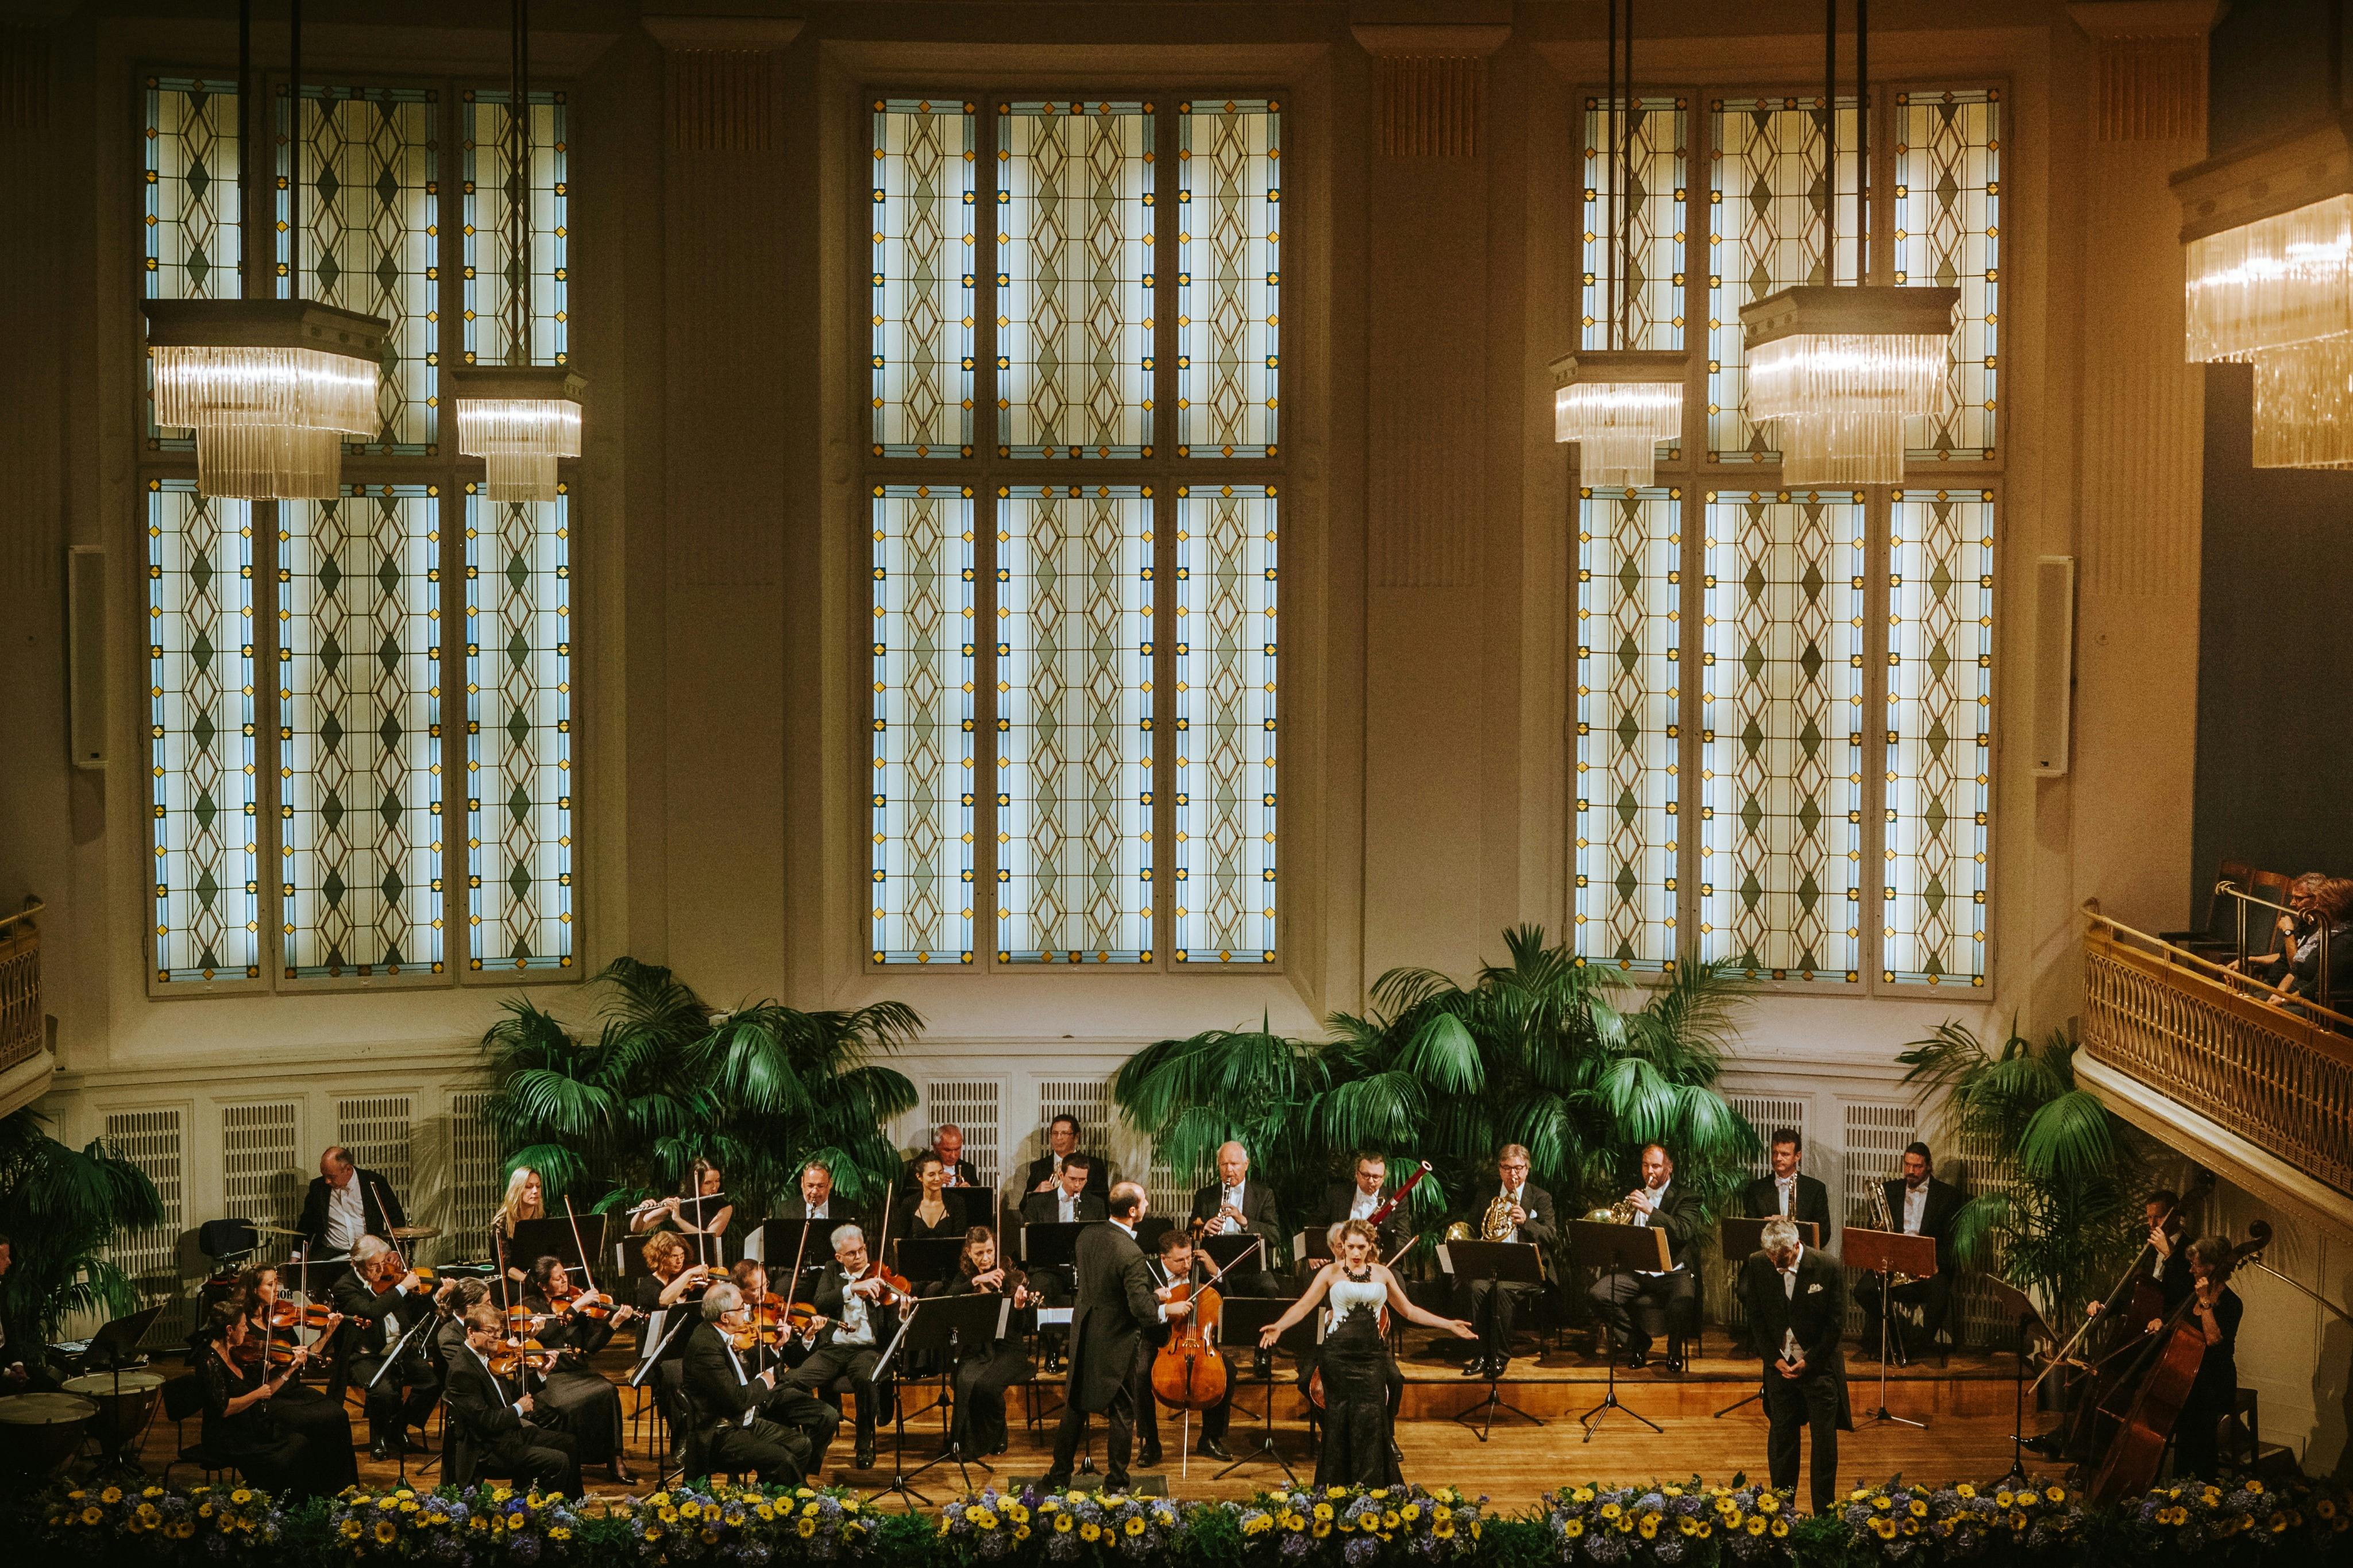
[(317, 1316), (772, 1310), (512, 1357), (896, 1288), (250, 1355), (569, 1305)]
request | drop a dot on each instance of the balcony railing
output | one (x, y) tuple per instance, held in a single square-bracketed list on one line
[(24, 1032), (2281, 1077)]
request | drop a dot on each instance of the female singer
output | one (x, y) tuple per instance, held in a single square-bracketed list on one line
[(576, 1398), (924, 1214), (985, 1371), (1357, 1450), (669, 1287), (706, 1180), (239, 1424), (323, 1422)]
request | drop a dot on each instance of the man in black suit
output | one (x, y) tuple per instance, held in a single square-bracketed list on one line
[(814, 1198), (1791, 1293), (724, 1401), (1178, 1263), (1072, 1200), (344, 1203), (1493, 1307), (949, 1144), (1062, 1143), (1117, 1300), (507, 1443), (1664, 1204), (1233, 1204), (1356, 1198), (382, 1299), (791, 1408), (1789, 1191), (855, 1320), (1917, 1204)]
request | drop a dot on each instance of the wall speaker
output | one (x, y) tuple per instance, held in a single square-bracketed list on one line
[(2055, 662), (86, 704)]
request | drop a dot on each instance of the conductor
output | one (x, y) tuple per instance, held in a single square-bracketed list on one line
[(1115, 1299), (1796, 1310)]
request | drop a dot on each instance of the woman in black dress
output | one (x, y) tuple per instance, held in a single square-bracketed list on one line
[(1355, 1356), (985, 1370), (925, 1214), (2214, 1310), (324, 1423), (239, 1424), (577, 1398)]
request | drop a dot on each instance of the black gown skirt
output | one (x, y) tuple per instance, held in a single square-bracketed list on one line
[(575, 1397), (1357, 1367)]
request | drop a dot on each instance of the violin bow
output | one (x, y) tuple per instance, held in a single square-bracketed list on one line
[(2108, 1303), (578, 1246)]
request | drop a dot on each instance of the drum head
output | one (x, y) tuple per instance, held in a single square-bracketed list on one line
[(44, 1409), (103, 1384)]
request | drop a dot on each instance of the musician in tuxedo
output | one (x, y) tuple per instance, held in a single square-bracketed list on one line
[(1789, 1191), (508, 1442), (855, 1318), (791, 1408), (1529, 1219), (723, 1399), (1917, 1204), (1791, 1293), (1179, 1262), (1061, 1146), (1117, 1300), (949, 1144), (1234, 1205), (382, 1299), (814, 1198), (1356, 1198), (1664, 1204), (1072, 1200), (344, 1203)]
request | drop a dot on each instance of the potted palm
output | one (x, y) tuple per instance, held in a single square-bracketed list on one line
[(61, 1208)]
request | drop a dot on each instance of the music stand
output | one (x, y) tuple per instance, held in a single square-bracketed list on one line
[(536, 1238), (2017, 1305), (1240, 1321), (1499, 1263), (1888, 1252), (942, 1325), (1053, 1245), (1743, 1237), (781, 1241), (1616, 1249), (927, 1259), (115, 1349)]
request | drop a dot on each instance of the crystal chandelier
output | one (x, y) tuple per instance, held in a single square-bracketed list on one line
[(519, 417), (269, 387), (1838, 369), (2268, 240), (1619, 403)]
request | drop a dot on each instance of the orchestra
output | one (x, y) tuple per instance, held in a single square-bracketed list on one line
[(750, 1380)]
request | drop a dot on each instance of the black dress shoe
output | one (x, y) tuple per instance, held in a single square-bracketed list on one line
[(381, 1450), (622, 1473), (1115, 1482), (1675, 1362), (1149, 1457), (864, 1459), (1211, 1448), (1475, 1367), (1053, 1479), (1637, 1360)]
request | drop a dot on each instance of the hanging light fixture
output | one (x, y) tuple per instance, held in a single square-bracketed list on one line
[(1619, 403), (1840, 368), (2268, 241), (269, 387), (519, 417)]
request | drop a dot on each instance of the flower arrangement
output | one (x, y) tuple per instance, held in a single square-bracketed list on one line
[(989, 1524), (1101, 1527), (1896, 1522), (478, 1525), (2191, 1518), (1662, 1523), (1361, 1525), (113, 1520), (719, 1522)]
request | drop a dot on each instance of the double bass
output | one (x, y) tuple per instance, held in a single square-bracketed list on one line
[(2129, 1457)]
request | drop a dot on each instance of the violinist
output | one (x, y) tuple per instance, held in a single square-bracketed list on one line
[(780, 1343), (724, 1396), (240, 1424), (1179, 1262), (985, 1370), (276, 1329), (857, 1313), (384, 1299), (502, 1423), (450, 1304), (576, 1322), (2214, 1312)]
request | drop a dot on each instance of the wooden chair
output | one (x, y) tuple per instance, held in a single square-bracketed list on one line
[(2220, 935)]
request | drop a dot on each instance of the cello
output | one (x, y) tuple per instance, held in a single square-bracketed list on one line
[(1188, 1374), (2128, 1463)]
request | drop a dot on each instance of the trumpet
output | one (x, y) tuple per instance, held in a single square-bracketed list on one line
[(1887, 1222)]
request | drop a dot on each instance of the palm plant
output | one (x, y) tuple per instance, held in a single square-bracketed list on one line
[(762, 1093), (2060, 1232), (1533, 1051), (61, 1208)]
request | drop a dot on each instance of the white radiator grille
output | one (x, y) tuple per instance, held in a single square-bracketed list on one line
[(261, 1179), (1876, 1132), (1172, 1190), (476, 1175), (1088, 1099), (1986, 1167), (379, 1132), (1765, 1114), (155, 1142), (974, 1105)]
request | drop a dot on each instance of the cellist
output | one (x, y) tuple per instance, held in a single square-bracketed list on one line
[(1178, 1263)]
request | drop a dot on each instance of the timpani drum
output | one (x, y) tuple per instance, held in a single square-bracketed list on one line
[(126, 1402), (39, 1432)]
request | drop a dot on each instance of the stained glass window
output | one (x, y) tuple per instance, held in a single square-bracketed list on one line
[(1224, 783), (1939, 734), (518, 732), (369, 225), (359, 614), (193, 231), (1629, 684), (490, 271), (925, 161), (1948, 235), (923, 727), (1074, 280), (1768, 201), (1653, 210), (200, 692), (1229, 274), (1074, 723), (1781, 690)]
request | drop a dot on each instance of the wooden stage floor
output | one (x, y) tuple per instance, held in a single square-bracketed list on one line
[(1967, 1406)]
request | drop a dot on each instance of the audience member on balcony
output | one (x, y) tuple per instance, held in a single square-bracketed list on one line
[(2292, 925), (2328, 925)]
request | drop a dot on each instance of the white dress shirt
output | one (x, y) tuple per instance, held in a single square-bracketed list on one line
[(741, 1376), (346, 1215), (1232, 1196), (1915, 1204), (1643, 1217), (1362, 1206), (1066, 1203), (1787, 1188), (1790, 1350), (855, 1328)]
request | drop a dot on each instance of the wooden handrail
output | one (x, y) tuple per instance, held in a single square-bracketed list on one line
[(2222, 974), (24, 1029), (32, 907)]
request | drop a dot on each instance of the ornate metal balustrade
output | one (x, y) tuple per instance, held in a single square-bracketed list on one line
[(23, 1032), (2281, 1077)]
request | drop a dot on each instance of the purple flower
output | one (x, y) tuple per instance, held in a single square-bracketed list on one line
[(1361, 1550)]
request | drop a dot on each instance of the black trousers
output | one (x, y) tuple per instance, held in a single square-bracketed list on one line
[(846, 1369), (1119, 1424), (1933, 1296), (1811, 1402), (535, 1456), (981, 1380), (404, 1397), (2197, 1442), (778, 1453), (1616, 1300), (803, 1415), (1495, 1328), (1214, 1420)]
